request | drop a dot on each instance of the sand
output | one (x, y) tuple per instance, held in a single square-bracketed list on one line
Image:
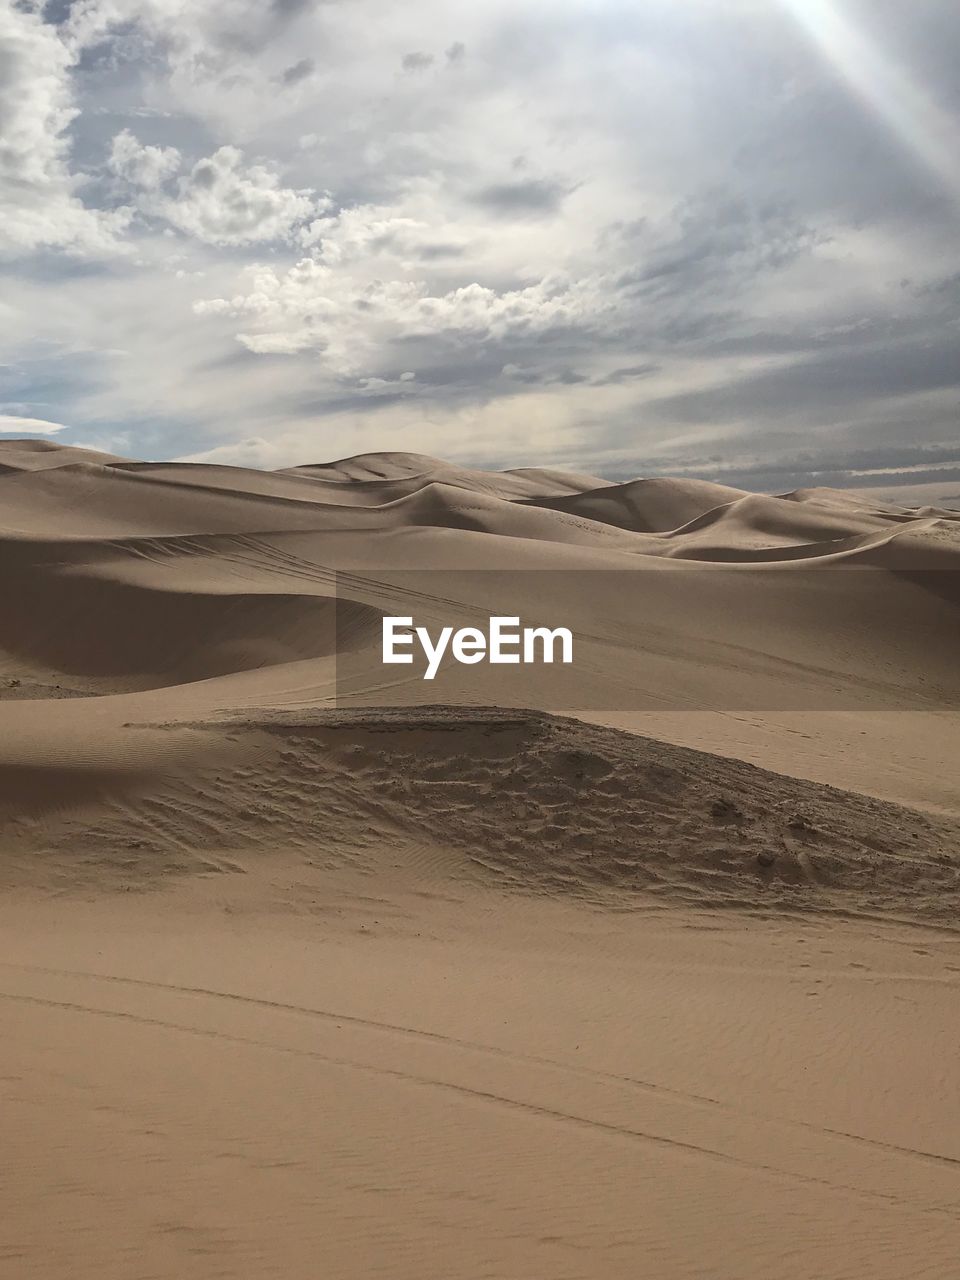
[(308, 972)]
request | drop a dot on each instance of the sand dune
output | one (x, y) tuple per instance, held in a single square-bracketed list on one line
[(307, 963), (37, 455), (646, 506), (584, 812)]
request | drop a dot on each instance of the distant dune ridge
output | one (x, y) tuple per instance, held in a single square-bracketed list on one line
[(227, 588), (434, 981)]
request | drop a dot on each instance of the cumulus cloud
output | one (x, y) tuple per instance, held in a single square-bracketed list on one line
[(145, 167), (221, 200), (315, 306), (373, 233), (39, 200), (710, 241), (367, 289)]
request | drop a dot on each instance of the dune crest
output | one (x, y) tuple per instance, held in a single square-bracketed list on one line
[(696, 605), (518, 802), (300, 969)]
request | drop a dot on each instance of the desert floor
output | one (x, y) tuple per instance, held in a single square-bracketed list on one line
[(303, 975)]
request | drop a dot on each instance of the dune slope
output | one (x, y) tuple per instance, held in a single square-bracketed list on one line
[(518, 802), (308, 964)]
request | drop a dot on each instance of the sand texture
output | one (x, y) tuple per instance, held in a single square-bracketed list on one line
[(310, 969)]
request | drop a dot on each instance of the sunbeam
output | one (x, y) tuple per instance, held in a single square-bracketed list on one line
[(904, 106)]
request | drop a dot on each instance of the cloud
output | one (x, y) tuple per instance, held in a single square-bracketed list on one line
[(221, 200), (714, 237), (145, 167), (298, 71), (252, 452), (629, 373), (363, 233), (39, 201), (290, 8), (416, 61), (836, 379), (11, 425), (367, 288), (241, 220), (532, 196), (352, 325)]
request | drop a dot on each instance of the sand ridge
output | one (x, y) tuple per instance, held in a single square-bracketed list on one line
[(518, 802), (299, 969)]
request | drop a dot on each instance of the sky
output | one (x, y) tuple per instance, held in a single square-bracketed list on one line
[(714, 238)]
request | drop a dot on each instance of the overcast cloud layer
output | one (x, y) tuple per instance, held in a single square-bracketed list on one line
[(717, 237)]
